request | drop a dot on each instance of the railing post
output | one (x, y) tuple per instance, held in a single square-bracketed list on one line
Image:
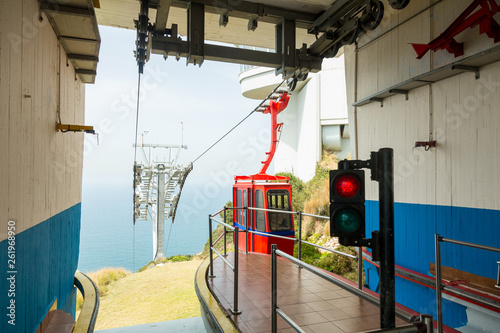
[(439, 299), (360, 268), (274, 292), (211, 273), (299, 247), (498, 275), (235, 309), (428, 321), (246, 230), (225, 243)]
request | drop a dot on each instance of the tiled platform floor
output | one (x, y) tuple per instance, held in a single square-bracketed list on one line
[(312, 302)]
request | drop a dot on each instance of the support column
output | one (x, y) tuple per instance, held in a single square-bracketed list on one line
[(160, 215)]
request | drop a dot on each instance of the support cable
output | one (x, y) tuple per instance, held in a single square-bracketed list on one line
[(238, 124), (168, 238)]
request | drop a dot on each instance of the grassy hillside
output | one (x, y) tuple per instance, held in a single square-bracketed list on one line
[(158, 294)]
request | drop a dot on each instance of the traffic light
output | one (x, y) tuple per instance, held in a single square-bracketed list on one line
[(347, 206)]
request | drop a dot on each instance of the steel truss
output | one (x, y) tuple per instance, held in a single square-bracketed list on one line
[(341, 24)]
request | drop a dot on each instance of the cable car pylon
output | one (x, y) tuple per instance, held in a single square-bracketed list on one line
[(158, 189)]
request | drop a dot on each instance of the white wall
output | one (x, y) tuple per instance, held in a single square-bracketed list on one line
[(459, 112), (41, 169), (321, 102)]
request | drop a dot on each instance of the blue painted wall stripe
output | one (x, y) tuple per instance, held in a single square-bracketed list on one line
[(415, 226), (46, 261)]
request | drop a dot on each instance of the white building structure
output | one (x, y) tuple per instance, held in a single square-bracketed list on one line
[(315, 119)]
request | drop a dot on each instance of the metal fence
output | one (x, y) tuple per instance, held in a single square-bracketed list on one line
[(235, 230), (454, 291), (423, 324)]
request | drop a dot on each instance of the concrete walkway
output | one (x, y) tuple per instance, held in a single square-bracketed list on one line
[(188, 325)]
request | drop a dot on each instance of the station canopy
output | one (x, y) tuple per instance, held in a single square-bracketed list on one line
[(291, 36)]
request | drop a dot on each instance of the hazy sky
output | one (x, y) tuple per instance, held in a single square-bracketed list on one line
[(207, 100)]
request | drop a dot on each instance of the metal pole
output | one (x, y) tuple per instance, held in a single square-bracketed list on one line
[(385, 176), (360, 268), (235, 310), (439, 299), (498, 275), (428, 321), (225, 246), (299, 247), (246, 230), (274, 292), (211, 273), (159, 231)]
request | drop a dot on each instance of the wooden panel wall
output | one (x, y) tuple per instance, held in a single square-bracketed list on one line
[(42, 169), (459, 112)]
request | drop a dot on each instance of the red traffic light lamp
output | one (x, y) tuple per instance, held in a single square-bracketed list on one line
[(347, 209)]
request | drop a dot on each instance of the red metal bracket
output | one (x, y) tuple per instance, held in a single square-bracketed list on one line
[(479, 12), (426, 144), (275, 107)]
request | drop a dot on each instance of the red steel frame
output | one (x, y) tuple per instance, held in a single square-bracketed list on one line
[(470, 18)]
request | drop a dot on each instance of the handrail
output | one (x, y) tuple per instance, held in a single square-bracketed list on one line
[(236, 231), (332, 250), (272, 210), (222, 223), (360, 293), (439, 285), (88, 314), (317, 216), (220, 211), (299, 240), (233, 267)]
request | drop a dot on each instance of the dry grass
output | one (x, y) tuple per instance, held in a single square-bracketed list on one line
[(329, 160), (154, 295), (103, 279), (319, 201)]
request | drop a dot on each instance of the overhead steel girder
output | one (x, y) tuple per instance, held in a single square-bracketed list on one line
[(162, 10), (336, 13), (245, 10), (196, 33), (285, 46), (173, 46)]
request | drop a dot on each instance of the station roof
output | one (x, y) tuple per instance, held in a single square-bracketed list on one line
[(122, 13), (75, 25)]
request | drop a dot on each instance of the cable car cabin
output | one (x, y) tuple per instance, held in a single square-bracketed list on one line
[(269, 192)]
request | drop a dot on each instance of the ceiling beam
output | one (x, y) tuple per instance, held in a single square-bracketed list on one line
[(247, 10), (162, 11), (67, 10), (171, 46)]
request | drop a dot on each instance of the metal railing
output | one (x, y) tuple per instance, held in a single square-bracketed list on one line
[(454, 291), (236, 230), (233, 267), (88, 315), (416, 326)]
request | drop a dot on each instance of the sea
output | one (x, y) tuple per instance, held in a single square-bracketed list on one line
[(109, 237)]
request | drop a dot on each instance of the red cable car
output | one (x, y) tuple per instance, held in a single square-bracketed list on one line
[(266, 192)]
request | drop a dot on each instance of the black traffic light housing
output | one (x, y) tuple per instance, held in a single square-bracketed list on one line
[(347, 206)]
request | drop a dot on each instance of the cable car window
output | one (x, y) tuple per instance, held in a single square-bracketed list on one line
[(279, 200), (260, 217)]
